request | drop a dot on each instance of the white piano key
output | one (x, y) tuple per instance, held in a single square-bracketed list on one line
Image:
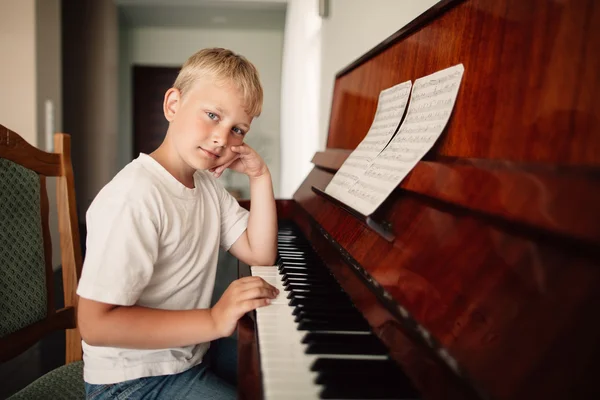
[(285, 367)]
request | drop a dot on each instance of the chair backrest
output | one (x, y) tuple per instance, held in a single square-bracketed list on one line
[(27, 311)]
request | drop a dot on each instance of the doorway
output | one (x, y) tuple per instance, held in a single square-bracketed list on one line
[(149, 123)]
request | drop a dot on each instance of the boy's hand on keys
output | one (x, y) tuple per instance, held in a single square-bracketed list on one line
[(243, 295), (246, 162)]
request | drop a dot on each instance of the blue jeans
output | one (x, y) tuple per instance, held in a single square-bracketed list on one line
[(214, 378)]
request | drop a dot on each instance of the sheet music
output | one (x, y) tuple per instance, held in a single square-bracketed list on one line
[(390, 109), (431, 104)]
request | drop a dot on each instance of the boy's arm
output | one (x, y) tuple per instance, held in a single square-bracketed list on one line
[(258, 244), (137, 327)]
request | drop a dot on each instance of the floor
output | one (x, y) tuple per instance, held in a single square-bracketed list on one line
[(49, 353)]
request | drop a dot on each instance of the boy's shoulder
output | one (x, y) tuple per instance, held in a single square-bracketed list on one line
[(136, 183)]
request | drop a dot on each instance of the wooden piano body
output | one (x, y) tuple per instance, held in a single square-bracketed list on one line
[(491, 287)]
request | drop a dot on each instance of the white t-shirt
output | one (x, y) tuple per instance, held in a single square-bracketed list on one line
[(153, 242)]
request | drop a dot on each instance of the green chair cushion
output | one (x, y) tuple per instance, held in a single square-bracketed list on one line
[(65, 382), (22, 263)]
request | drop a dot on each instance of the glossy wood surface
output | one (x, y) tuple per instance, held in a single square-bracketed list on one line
[(552, 199), (496, 250), (506, 303), (249, 384), (494, 272), (14, 148), (529, 89)]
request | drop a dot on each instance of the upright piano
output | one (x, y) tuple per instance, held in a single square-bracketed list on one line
[(487, 283)]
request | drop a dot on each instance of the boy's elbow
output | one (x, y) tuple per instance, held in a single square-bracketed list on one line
[(88, 334), (89, 323), (268, 259), (262, 259)]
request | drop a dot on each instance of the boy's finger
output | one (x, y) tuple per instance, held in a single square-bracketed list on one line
[(221, 168), (258, 283), (241, 149), (258, 286), (257, 293), (250, 305), (250, 279)]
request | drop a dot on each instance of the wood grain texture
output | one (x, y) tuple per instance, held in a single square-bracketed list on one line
[(551, 199), (69, 240), (494, 270), (528, 92), (14, 148), (45, 211), (14, 344), (506, 303), (249, 384)]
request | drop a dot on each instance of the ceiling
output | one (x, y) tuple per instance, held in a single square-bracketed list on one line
[(229, 14)]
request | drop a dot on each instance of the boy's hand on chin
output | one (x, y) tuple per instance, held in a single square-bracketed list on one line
[(246, 162)]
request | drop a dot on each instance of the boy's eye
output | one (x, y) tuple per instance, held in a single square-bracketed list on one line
[(237, 131), (212, 116)]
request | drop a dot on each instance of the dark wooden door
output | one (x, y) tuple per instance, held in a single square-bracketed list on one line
[(149, 123)]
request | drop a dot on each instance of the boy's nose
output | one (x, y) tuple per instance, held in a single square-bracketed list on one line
[(220, 137)]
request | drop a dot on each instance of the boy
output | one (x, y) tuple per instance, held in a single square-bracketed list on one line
[(153, 238)]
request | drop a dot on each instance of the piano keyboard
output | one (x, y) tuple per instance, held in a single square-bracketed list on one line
[(312, 342)]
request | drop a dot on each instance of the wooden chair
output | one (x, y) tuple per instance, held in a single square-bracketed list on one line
[(27, 311)]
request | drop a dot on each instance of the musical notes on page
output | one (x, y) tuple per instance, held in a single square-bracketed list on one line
[(431, 103), (390, 109)]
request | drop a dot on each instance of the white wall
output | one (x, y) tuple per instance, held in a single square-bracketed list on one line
[(300, 89), (18, 95), (171, 47), (49, 87), (49, 67), (352, 28), (29, 75)]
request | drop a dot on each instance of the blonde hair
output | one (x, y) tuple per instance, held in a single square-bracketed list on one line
[(225, 67)]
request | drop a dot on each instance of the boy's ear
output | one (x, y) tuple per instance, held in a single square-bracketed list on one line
[(171, 103)]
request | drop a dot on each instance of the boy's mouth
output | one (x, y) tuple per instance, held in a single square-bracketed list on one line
[(209, 153)]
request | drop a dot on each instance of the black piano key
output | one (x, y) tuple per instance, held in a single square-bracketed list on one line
[(345, 345), (312, 285), (324, 364), (291, 276), (386, 376), (310, 282), (313, 297), (315, 288), (325, 309), (348, 389), (308, 277), (321, 305), (315, 325), (316, 292), (299, 301), (291, 267), (335, 338), (329, 317), (325, 314), (297, 256), (290, 248), (300, 271), (284, 253)]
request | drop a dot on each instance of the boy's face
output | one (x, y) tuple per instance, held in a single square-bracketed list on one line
[(206, 122)]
